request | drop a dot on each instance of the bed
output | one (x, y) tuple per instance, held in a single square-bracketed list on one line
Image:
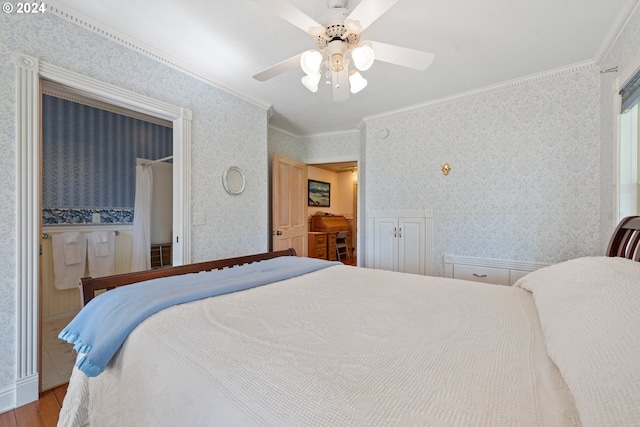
[(291, 341)]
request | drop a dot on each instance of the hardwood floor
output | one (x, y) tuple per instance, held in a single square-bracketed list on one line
[(42, 413)]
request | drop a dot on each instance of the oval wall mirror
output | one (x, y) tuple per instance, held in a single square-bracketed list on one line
[(233, 180)]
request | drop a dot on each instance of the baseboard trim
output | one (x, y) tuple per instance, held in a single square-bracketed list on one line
[(7, 398), (27, 390)]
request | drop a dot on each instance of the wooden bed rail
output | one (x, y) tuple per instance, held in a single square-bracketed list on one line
[(89, 286), (625, 241)]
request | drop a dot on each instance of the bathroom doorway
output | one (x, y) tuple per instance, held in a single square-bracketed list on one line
[(88, 184)]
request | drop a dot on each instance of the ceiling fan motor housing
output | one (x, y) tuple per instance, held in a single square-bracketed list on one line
[(336, 50), (333, 22)]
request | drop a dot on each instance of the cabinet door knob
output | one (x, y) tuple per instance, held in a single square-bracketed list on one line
[(395, 232)]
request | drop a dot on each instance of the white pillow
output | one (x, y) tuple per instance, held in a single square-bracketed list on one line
[(589, 309)]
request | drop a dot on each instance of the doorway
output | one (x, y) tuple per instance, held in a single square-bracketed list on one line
[(343, 177), (88, 188), (29, 71), (289, 200)]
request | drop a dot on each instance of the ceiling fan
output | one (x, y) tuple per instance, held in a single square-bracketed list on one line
[(340, 54)]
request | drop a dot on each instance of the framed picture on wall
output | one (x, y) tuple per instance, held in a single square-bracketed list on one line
[(319, 194)]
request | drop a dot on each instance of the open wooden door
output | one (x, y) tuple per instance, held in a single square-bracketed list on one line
[(289, 204)]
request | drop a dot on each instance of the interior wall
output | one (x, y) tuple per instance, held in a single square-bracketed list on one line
[(524, 183), (226, 130), (89, 161), (341, 191)]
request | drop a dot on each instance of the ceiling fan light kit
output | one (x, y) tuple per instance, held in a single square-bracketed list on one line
[(310, 81), (310, 61), (340, 55), (363, 56), (356, 82)]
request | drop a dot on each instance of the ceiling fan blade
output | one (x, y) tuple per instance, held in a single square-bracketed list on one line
[(411, 58), (367, 11), (286, 65), (340, 83), (290, 13)]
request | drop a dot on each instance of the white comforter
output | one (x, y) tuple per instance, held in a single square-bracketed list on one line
[(340, 346)]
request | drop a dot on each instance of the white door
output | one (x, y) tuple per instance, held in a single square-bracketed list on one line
[(385, 244), (411, 245), (289, 204), (398, 241)]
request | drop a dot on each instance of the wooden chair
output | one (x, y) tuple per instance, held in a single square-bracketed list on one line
[(625, 241), (341, 245)]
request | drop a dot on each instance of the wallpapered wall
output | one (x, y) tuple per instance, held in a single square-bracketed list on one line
[(524, 183), (226, 130), (89, 161), (525, 162)]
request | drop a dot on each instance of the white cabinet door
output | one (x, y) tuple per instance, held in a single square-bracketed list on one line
[(411, 245), (399, 244), (385, 244)]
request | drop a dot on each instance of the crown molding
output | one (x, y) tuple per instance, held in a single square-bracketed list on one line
[(75, 17), (616, 31), (510, 84), (316, 135), (286, 132), (332, 134)]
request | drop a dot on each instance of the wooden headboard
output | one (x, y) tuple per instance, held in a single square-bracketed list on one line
[(89, 285), (625, 241)]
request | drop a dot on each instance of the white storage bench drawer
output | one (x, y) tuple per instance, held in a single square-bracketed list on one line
[(488, 270), (498, 276)]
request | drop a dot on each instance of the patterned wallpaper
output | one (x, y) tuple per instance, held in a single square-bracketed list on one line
[(286, 144), (345, 145), (226, 130), (89, 160), (525, 179)]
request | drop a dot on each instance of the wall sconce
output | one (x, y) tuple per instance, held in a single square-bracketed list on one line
[(446, 169)]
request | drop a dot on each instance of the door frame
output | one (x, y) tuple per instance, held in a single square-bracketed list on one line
[(29, 71)]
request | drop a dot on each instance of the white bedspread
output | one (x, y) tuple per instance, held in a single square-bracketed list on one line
[(340, 346)]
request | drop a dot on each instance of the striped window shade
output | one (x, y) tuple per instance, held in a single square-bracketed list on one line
[(630, 93)]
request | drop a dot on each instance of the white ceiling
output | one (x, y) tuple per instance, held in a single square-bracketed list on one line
[(476, 43)]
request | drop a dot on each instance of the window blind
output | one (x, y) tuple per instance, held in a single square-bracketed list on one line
[(630, 93)]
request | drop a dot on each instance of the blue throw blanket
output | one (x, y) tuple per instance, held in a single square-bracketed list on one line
[(104, 323)]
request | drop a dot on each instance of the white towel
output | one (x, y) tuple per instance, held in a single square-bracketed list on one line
[(66, 275), (71, 236), (101, 253), (72, 248), (101, 241)]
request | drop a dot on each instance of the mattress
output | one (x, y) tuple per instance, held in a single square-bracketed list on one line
[(338, 346)]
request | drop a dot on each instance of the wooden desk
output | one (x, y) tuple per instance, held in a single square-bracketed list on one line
[(332, 225), (317, 245)]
